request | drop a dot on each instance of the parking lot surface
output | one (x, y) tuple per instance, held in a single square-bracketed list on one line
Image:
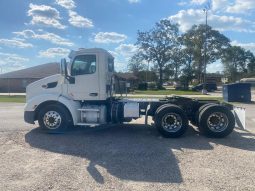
[(123, 157)]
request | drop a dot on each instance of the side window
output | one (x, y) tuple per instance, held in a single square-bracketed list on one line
[(84, 64), (110, 64)]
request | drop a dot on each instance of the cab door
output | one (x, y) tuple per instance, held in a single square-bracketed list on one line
[(85, 71)]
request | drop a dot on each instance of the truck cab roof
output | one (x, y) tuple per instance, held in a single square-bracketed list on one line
[(82, 51)]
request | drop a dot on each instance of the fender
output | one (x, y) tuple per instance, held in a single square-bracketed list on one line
[(34, 102), (71, 105)]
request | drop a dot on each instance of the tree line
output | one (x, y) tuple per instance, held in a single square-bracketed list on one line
[(183, 56)]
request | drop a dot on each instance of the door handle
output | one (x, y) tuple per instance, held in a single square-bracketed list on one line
[(93, 94), (45, 86)]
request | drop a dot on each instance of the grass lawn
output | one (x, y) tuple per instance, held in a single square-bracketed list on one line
[(211, 98), (15, 99), (166, 92)]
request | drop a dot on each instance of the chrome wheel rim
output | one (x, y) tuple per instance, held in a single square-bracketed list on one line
[(52, 120), (172, 122), (217, 122)]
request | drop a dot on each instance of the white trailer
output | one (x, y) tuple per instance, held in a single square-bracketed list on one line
[(83, 95)]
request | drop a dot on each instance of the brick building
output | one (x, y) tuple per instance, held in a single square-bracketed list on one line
[(16, 82)]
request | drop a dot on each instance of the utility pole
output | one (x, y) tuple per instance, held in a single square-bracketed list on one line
[(204, 91), (147, 71)]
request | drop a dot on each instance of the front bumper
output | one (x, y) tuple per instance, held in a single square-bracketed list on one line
[(29, 117)]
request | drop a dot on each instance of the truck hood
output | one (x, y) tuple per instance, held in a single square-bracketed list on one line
[(42, 86)]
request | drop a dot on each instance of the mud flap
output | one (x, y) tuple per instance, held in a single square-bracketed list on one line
[(239, 113)]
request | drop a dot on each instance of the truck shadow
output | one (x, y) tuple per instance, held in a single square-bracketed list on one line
[(131, 152), (128, 153)]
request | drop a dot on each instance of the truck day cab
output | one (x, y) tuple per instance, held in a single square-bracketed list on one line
[(82, 95)]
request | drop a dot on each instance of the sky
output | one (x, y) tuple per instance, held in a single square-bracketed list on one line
[(35, 32)]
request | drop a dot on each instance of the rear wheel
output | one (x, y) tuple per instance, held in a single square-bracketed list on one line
[(195, 120), (54, 118), (171, 121), (216, 121)]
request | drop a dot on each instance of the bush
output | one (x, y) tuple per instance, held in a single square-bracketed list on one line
[(160, 87), (151, 86), (142, 86)]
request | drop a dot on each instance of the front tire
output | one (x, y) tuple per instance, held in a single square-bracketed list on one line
[(171, 121), (54, 119)]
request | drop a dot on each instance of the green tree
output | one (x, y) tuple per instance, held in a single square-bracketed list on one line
[(251, 62), (147, 76), (168, 72), (136, 63), (140, 69), (187, 71), (178, 60), (195, 39), (236, 61), (158, 43)]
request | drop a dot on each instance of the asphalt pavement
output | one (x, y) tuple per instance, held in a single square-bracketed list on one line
[(122, 157)]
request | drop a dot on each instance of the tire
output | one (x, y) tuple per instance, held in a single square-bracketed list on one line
[(216, 121), (194, 120), (171, 121), (54, 119)]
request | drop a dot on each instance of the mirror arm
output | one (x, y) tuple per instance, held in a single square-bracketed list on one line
[(70, 79)]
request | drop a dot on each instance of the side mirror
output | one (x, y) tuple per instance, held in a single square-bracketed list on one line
[(63, 67), (63, 70)]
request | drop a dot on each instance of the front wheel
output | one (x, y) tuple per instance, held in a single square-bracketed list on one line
[(54, 118), (171, 121)]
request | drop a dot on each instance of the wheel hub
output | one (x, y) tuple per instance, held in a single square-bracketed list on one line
[(217, 121), (172, 122), (52, 119)]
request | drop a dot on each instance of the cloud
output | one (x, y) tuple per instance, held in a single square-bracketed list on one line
[(182, 3), (241, 6), (54, 52), (16, 43), (51, 37), (122, 54), (120, 63), (187, 18), (219, 5), (233, 6), (79, 21), (109, 37), (75, 19), (198, 2), (113, 53), (10, 62), (134, 1), (44, 15), (248, 46), (126, 50), (68, 4)]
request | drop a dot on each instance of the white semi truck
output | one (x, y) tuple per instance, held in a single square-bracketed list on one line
[(83, 95)]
